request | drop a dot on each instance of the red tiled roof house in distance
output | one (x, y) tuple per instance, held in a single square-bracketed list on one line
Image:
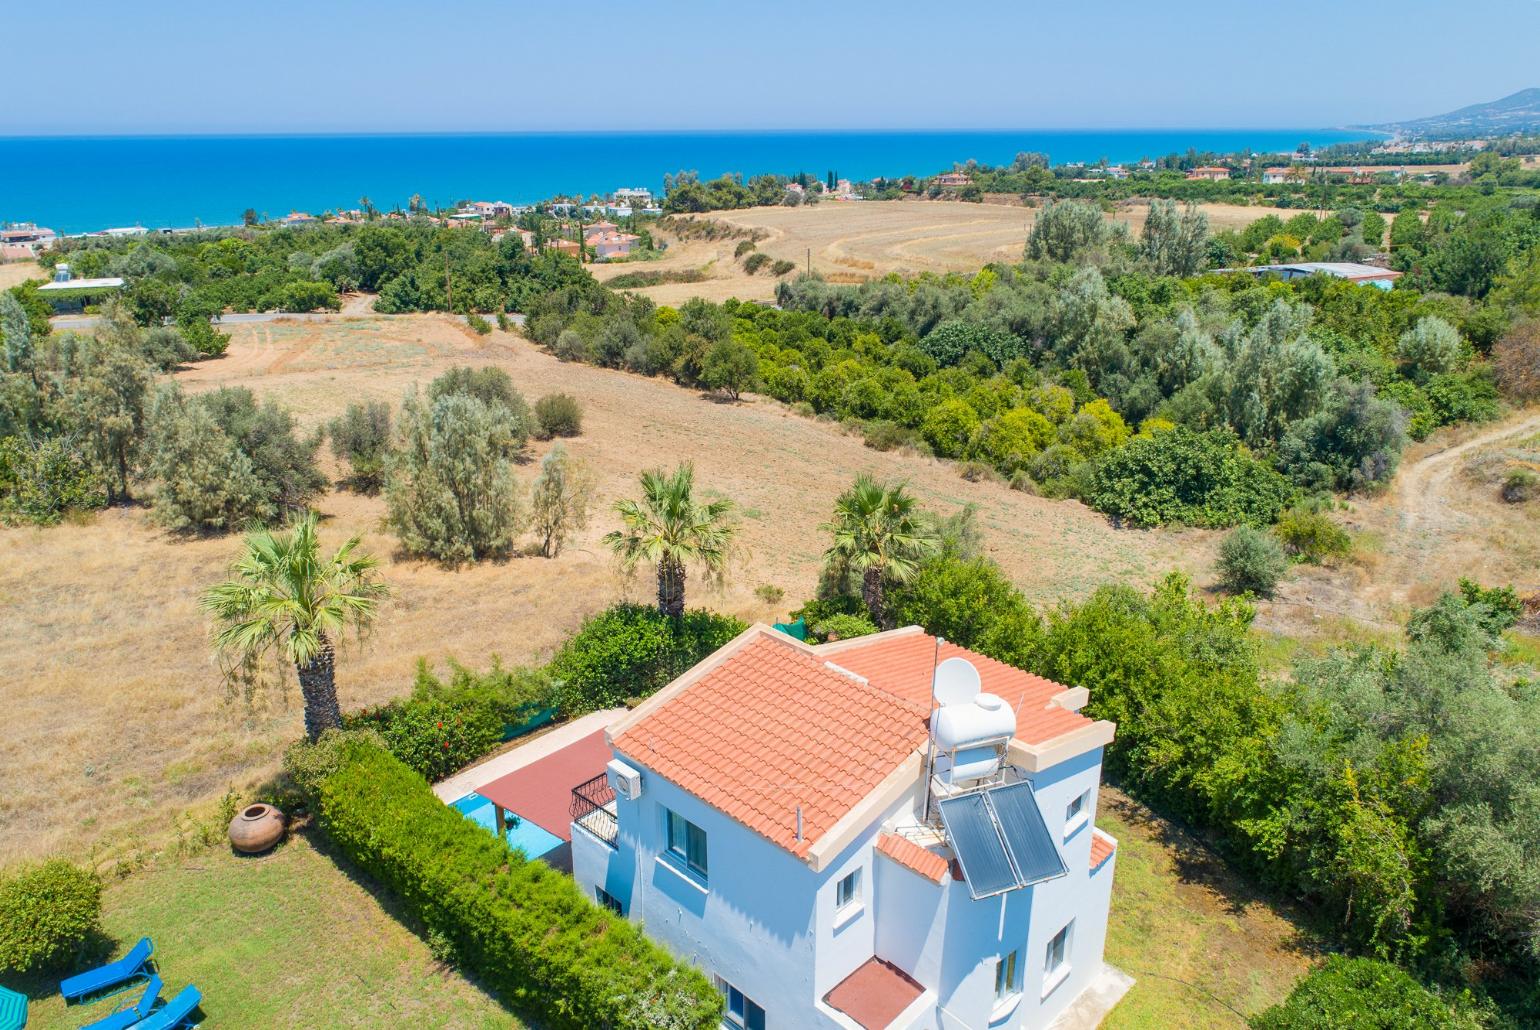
[(776, 822)]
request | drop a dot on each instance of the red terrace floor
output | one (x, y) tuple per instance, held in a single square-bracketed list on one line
[(542, 791), (874, 994)]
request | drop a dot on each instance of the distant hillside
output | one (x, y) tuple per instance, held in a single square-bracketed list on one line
[(1517, 113)]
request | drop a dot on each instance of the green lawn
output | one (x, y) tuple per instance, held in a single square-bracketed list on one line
[(285, 940), (1200, 944)]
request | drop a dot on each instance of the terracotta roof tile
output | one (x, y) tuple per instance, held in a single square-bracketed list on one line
[(902, 664), (911, 856), (772, 727), (875, 994), (1102, 847)]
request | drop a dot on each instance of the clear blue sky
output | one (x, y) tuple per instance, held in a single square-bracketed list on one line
[(168, 66)]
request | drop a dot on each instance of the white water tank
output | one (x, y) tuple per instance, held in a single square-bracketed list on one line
[(985, 718)]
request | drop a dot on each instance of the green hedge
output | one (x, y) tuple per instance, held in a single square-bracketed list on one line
[(629, 651), (1365, 994), (523, 928), (48, 914)]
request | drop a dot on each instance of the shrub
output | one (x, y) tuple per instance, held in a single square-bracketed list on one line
[(782, 267), (491, 386), (504, 323), (769, 593), (361, 437), (1430, 347), (1520, 485), (570, 346), (450, 490), (558, 414), (1310, 535), (1468, 396), (743, 247), (1365, 994), (479, 325), (629, 651), (754, 262), (888, 436), (222, 461), (971, 603), (441, 727), (48, 914), (1199, 479), (42, 481), (1516, 360), (979, 472), (1251, 561), (559, 499), (525, 929), (842, 626)]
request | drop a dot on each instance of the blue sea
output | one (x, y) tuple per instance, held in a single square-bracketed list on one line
[(81, 184)]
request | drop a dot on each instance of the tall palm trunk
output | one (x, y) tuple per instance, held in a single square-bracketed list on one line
[(671, 587), (871, 593), (318, 686)]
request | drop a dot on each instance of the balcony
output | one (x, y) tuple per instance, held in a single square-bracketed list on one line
[(593, 808)]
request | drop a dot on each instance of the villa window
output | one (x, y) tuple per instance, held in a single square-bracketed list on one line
[(1056, 959), (1007, 977), (848, 891), (608, 900), (686, 841), (740, 1011), (1077, 813)]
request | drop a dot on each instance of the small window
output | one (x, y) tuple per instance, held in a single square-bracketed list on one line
[(847, 891), (1058, 952), (739, 1010), (608, 900), (1007, 980), (1077, 813), (686, 841)]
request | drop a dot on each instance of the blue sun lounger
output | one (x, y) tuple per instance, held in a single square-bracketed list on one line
[(177, 1013), (127, 1017), (131, 967)]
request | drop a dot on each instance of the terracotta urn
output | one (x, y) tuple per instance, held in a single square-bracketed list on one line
[(256, 828)]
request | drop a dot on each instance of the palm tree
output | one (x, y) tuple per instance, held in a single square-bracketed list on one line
[(880, 532), (284, 597), (668, 527)]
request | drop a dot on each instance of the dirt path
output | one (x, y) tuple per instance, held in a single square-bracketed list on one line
[(1433, 526)]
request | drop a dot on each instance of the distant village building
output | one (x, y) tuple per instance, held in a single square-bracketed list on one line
[(66, 293), (487, 209), (1117, 172), (952, 179), (1276, 175), (568, 247), (1210, 173), (633, 196), (607, 245), (298, 218), (28, 237), (594, 229), (1352, 271)]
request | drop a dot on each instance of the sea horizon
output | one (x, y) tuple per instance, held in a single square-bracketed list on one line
[(88, 182)]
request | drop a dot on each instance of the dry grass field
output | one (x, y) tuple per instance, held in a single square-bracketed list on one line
[(117, 716), (852, 241), (13, 273)]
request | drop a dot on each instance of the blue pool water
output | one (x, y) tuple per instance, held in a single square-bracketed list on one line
[(533, 840)]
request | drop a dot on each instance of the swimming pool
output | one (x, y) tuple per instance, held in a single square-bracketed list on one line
[(533, 840)]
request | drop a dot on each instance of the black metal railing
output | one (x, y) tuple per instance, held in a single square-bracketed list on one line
[(593, 808)]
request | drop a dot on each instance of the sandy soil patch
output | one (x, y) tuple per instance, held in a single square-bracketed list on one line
[(117, 715)]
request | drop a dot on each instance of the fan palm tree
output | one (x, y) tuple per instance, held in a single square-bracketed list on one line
[(669, 528), (880, 532), (284, 597)]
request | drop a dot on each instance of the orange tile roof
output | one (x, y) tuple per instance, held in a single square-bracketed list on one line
[(902, 662), (1102, 847), (911, 856), (769, 728)]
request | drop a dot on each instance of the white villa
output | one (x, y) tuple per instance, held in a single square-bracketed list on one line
[(887, 831)]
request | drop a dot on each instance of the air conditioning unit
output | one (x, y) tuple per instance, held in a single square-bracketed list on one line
[(626, 780)]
